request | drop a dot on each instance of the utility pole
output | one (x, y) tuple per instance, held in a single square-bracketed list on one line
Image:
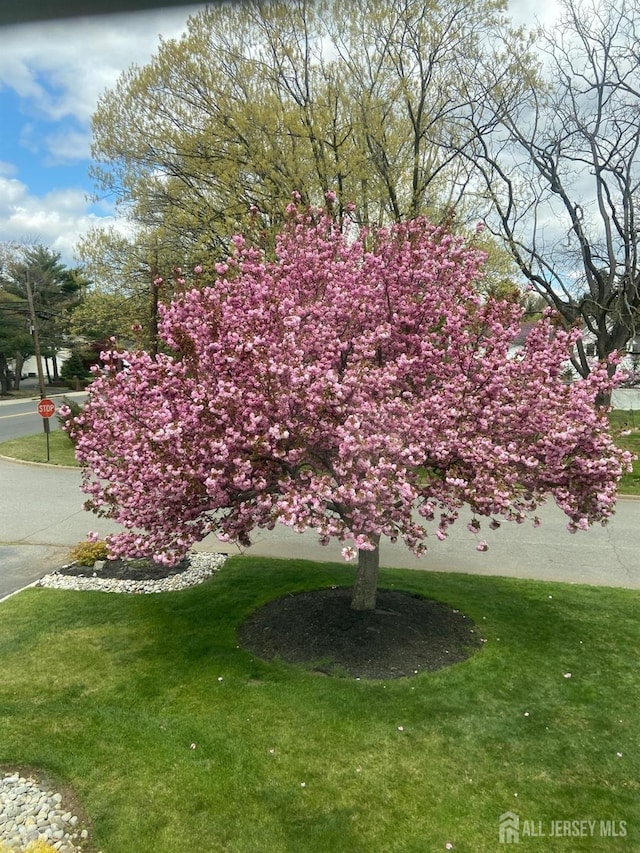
[(36, 350), (34, 334)]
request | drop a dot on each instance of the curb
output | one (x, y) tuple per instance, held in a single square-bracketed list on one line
[(36, 397), (40, 464), (16, 591)]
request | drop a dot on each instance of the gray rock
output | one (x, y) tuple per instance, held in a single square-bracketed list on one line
[(201, 567)]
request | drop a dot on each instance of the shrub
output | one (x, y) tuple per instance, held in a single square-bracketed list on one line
[(86, 553), (74, 367), (68, 410)]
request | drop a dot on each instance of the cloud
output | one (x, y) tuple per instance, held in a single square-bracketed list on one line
[(543, 12), (65, 142), (57, 71), (59, 68), (56, 219)]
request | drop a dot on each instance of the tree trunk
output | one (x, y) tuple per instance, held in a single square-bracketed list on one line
[(366, 582), (19, 363), (4, 382), (603, 398)]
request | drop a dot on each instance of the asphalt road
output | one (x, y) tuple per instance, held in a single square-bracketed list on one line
[(42, 517), (20, 417)]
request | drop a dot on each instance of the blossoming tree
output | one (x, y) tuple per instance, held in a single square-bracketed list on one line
[(356, 384)]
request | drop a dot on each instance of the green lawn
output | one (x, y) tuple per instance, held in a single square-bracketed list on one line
[(628, 422), (110, 692), (33, 448)]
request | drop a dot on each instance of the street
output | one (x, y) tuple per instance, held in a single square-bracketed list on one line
[(20, 417), (42, 517)]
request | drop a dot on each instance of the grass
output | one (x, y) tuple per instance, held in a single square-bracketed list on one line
[(33, 448), (175, 739), (628, 422)]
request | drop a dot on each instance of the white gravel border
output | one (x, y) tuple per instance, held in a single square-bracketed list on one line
[(201, 567)]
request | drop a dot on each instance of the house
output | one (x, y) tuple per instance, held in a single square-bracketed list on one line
[(627, 395)]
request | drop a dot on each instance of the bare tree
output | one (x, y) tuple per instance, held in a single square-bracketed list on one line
[(560, 165)]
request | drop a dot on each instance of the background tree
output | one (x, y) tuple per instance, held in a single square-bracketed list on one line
[(123, 295), (55, 290), (102, 314), (15, 340), (357, 384), (259, 99), (561, 168)]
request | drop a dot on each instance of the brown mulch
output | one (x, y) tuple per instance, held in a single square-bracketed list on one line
[(406, 634)]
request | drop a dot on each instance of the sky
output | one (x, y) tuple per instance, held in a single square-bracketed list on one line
[(51, 76)]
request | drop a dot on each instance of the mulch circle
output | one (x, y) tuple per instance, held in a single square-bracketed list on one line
[(404, 635)]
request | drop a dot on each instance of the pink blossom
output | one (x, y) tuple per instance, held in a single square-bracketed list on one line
[(339, 384)]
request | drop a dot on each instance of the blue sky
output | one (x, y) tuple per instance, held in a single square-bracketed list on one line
[(51, 76)]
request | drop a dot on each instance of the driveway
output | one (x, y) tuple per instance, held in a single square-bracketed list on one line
[(41, 518)]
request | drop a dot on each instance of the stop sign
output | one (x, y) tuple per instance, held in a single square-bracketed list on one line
[(46, 408)]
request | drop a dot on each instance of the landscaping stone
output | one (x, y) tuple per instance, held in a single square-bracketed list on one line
[(199, 567), (23, 805)]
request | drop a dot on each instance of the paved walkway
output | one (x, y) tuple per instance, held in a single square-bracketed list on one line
[(41, 518)]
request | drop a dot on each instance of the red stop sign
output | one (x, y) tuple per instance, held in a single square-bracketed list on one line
[(46, 408)]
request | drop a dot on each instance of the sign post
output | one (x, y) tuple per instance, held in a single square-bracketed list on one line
[(46, 408)]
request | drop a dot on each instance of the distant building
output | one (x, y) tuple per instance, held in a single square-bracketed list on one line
[(627, 396)]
